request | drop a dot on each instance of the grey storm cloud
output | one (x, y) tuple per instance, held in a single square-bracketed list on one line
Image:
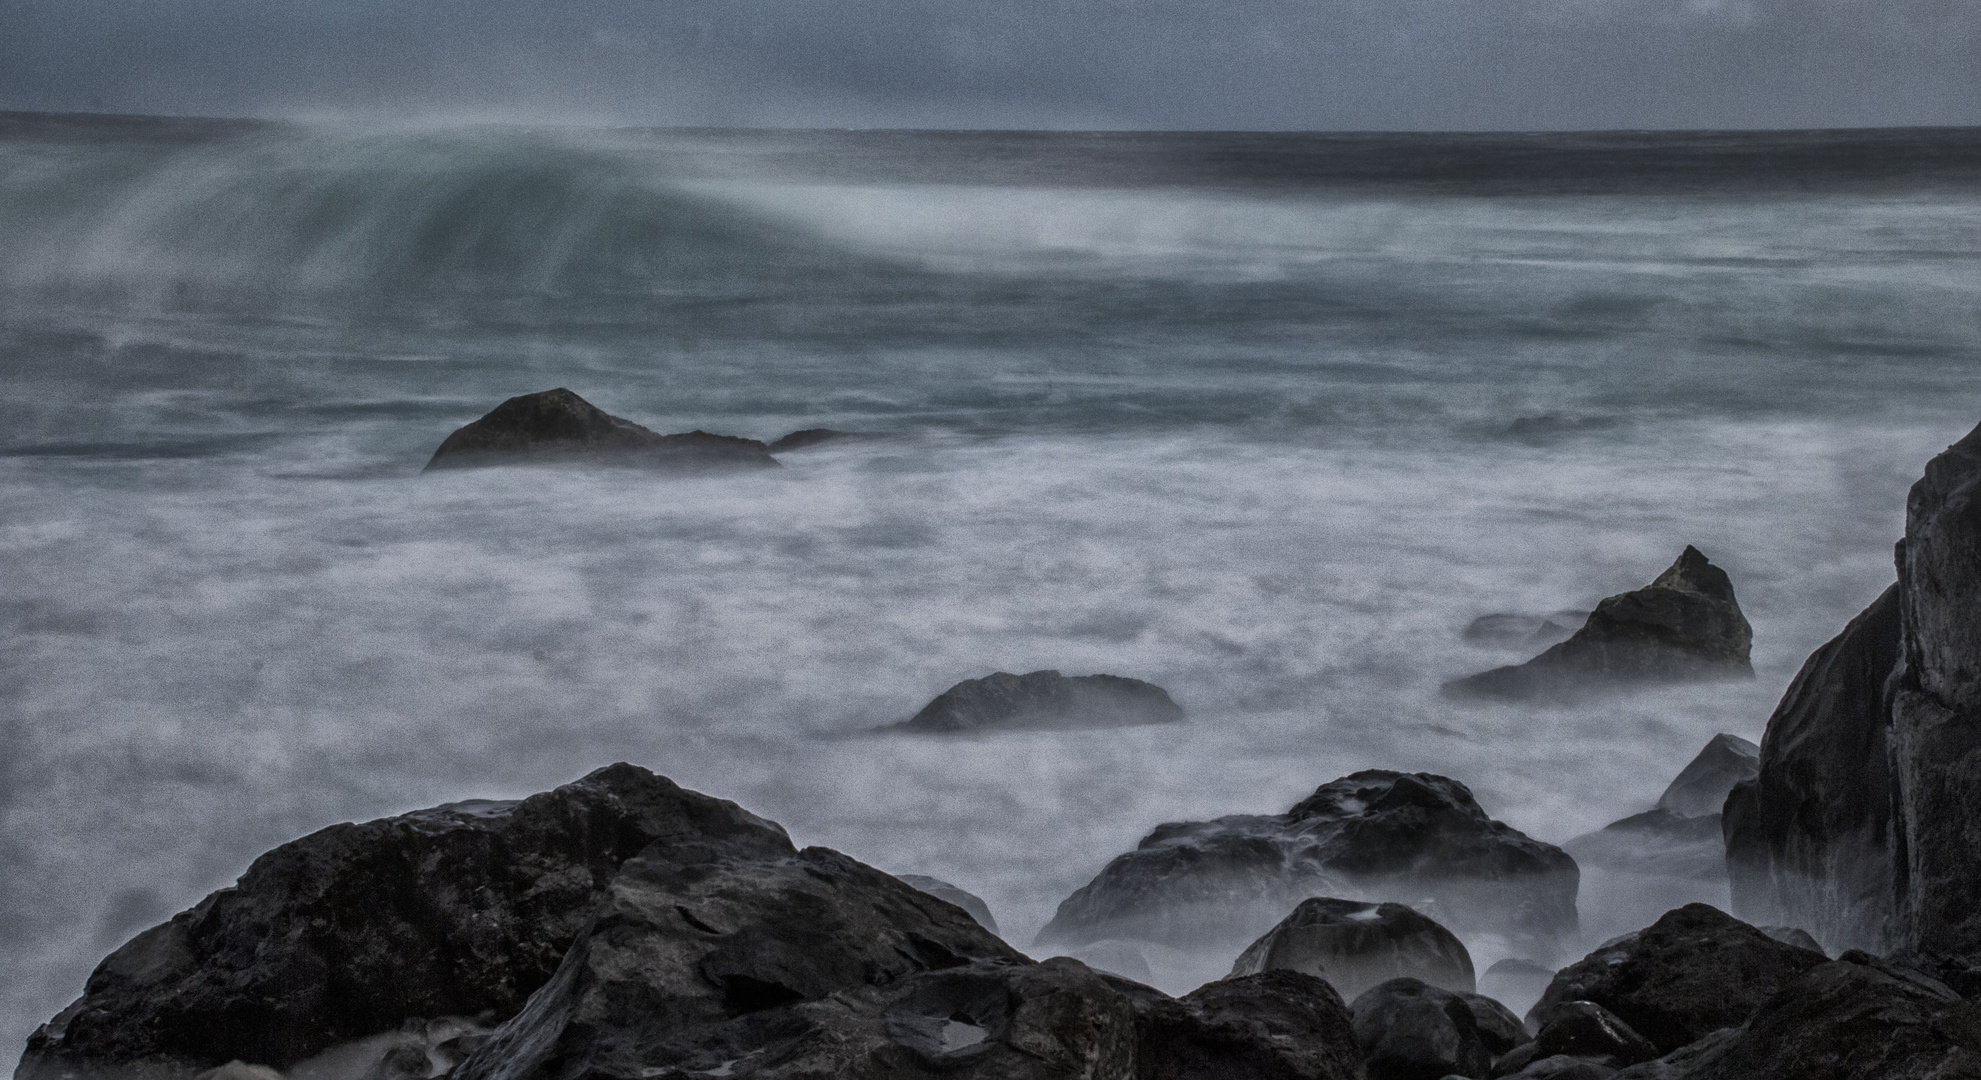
[(1411, 64)]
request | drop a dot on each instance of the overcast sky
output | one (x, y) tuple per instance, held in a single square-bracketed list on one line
[(1325, 64)]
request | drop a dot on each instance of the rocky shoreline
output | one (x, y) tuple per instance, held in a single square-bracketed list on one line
[(624, 927)]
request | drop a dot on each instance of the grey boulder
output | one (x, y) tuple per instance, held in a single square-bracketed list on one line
[(1410, 1030), (1043, 699), (1685, 625), (559, 427), (1378, 835), (1582, 1030), (1276, 1025), (1356, 945), (968, 901)]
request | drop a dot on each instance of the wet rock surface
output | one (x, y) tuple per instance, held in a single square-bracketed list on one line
[(353, 930), (1692, 972), (1842, 1020), (1356, 945), (1043, 699), (1374, 835), (1275, 1025), (968, 901), (1685, 625), (1701, 787), (559, 427), (1809, 840), (1410, 1030), (1582, 1030)]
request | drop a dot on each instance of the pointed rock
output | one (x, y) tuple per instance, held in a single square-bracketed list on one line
[(559, 427)]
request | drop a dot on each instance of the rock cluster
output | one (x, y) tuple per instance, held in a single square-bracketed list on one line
[(559, 427), (1043, 699), (1684, 625), (1377, 835)]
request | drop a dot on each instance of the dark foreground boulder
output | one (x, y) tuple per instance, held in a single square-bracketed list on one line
[(1852, 1019), (969, 902), (355, 929), (1355, 945), (559, 427), (1410, 1030), (1690, 973), (1686, 625), (623, 928), (1276, 1025), (1809, 840), (1583, 1031), (1375, 834), (1044, 699)]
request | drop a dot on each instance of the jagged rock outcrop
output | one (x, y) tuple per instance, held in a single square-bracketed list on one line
[(1685, 625), (1355, 945), (1850, 1018), (559, 427), (354, 929), (1935, 734), (1410, 1030), (622, 928), (1374, 835), (1276, 1025), (1043, 699), (1692, 972), (968, 901), (1809, 840)]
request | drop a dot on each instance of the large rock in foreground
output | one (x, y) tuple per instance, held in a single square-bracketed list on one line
[(1375, 835), (1354, 946), (1686, 625), (1044, 699), (352, 930), (1809, 839), (1410, 1030), (559, 427), (1852, 1019), (1690, 973), (621, 928)]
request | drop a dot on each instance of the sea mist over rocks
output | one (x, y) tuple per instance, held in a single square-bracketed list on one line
[(1271, 449)]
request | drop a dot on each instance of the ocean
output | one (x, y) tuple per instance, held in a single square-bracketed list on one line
[(1266, 419)]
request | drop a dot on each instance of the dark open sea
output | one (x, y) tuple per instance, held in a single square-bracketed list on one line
[(1266, 419)]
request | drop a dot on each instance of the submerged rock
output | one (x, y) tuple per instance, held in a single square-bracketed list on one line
[(1276, 1025), (969, 902), (1354, 946), (1701, 787), (798, 440), (1378, 835), (559, 427), (1685, 625), (1690, 973), (1044, 699), (1516, 981), (1410, 1030), (1504, 631), (1840, 1020), (1656, 843)]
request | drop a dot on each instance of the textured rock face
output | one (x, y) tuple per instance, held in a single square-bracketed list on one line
[(1688, 974), (1935, 734), (1375, 835), (1701, 787), (1849, 1019), (1409, 1030), (558, 426), (354, 929), (1684, 625), (1276, 1025), (1584, 1031), (969, 902), (1044, 699), (1354, 946), (1809, 840)]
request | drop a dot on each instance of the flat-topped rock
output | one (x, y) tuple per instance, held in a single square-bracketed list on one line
[(1043, 699), (559, 427), (1375, 835), (1685, 625)]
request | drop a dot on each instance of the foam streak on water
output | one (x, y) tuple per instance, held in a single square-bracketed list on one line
[(1269, 447)]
